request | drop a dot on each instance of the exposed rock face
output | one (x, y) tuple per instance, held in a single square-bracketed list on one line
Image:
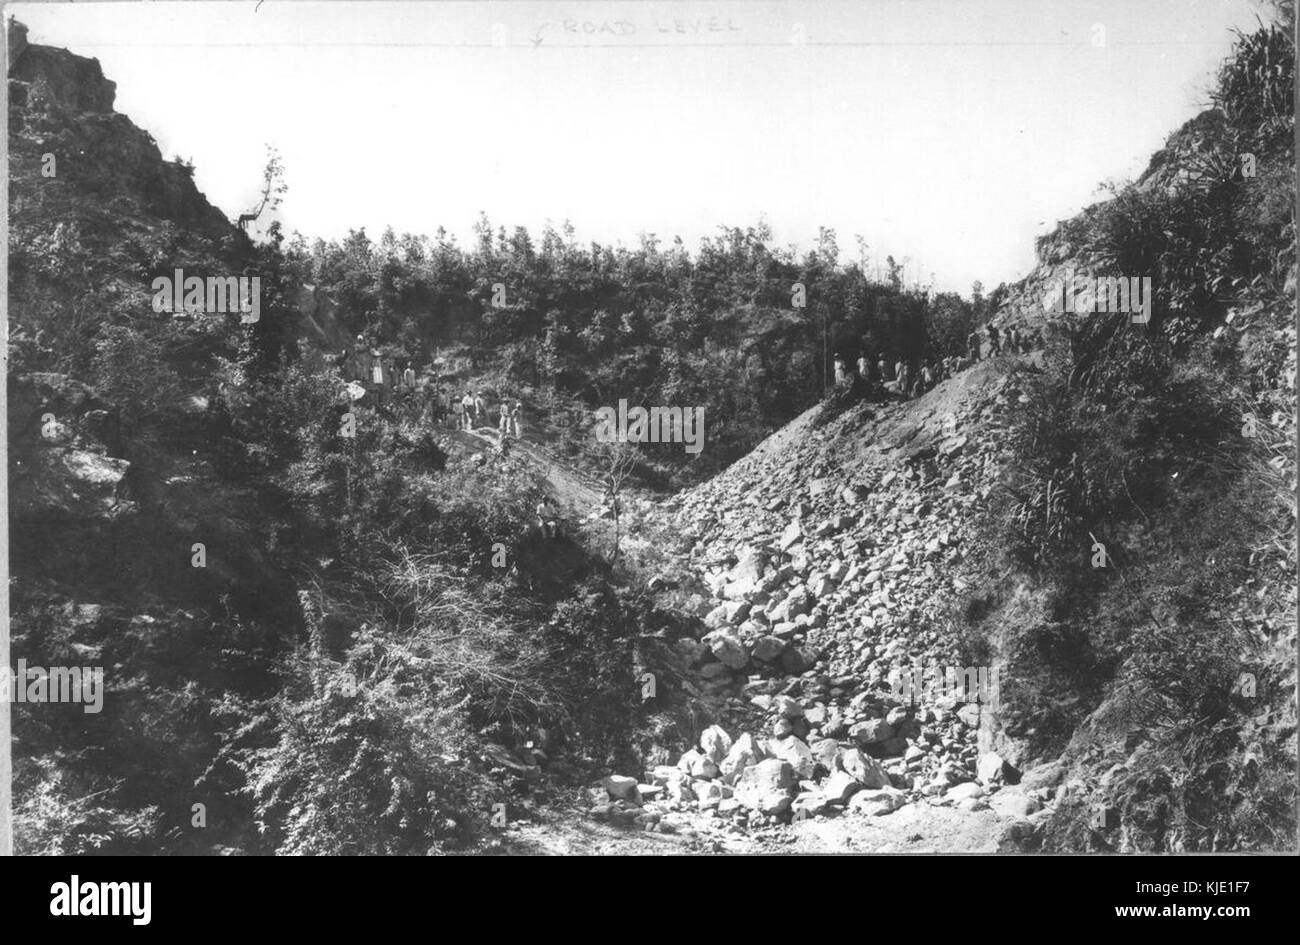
[(59, 467), (1060, 251), (101, 152), (72, 482), (74, 81)]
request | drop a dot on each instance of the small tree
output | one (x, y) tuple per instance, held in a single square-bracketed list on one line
[(273, 187), (617, 462)]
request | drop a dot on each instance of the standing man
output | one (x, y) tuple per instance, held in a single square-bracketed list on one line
[(994, 346), (480, 407), (377, 376), (467, 410), (864, 367), (973, 346), (360, 361), (517, 419), (841, 370), (445, 399), (546, 518)]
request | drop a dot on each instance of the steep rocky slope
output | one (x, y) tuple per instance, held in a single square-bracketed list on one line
[(825, 563), (101, 154), (107, 499)]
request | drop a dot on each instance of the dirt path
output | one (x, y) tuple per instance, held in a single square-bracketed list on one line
[(921, 827), (570, 488)]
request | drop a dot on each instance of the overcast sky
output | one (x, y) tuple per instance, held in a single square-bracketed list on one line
[(951, 132)]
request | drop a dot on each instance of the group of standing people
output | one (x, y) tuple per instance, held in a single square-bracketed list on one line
[(1013, 341), (910, 379), (470, 410), (376, 374), (379, 376), (904, 378)]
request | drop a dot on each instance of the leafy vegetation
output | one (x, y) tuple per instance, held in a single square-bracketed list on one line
[(1149, 532)]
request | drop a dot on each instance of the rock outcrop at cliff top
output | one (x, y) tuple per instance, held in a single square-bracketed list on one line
[(101, 153), (77, 82)]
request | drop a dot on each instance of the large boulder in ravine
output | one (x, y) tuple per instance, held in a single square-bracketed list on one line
[(766, 787)]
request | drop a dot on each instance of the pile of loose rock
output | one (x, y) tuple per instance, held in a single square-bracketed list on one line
[(826, 559), (795, 774)]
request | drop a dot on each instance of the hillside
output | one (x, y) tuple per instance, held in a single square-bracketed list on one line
[(1108, 527), (196, 511), (333, 624)]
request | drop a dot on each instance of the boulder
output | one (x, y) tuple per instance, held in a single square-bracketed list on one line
[(708, 794), (967, 790), (766, 787), (729, 651), (792, 535), (810, 803), (735, 611), (622, 788), (749, 566), (716, 618), (839, 787), (877, 803), (990, 768), (862, 768), (798, 659), (787, 707), (1013, 804), (744, 752), (795, 752), (768, 648), (825, 751), (715, 743), (871, 732)]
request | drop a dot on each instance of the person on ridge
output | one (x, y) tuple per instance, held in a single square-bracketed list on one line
[(517, 419), (994, 346), (467, 410), (841, 370), (546, 518), (903, 377)]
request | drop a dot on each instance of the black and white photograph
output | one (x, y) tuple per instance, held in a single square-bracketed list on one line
[(631, 428)]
